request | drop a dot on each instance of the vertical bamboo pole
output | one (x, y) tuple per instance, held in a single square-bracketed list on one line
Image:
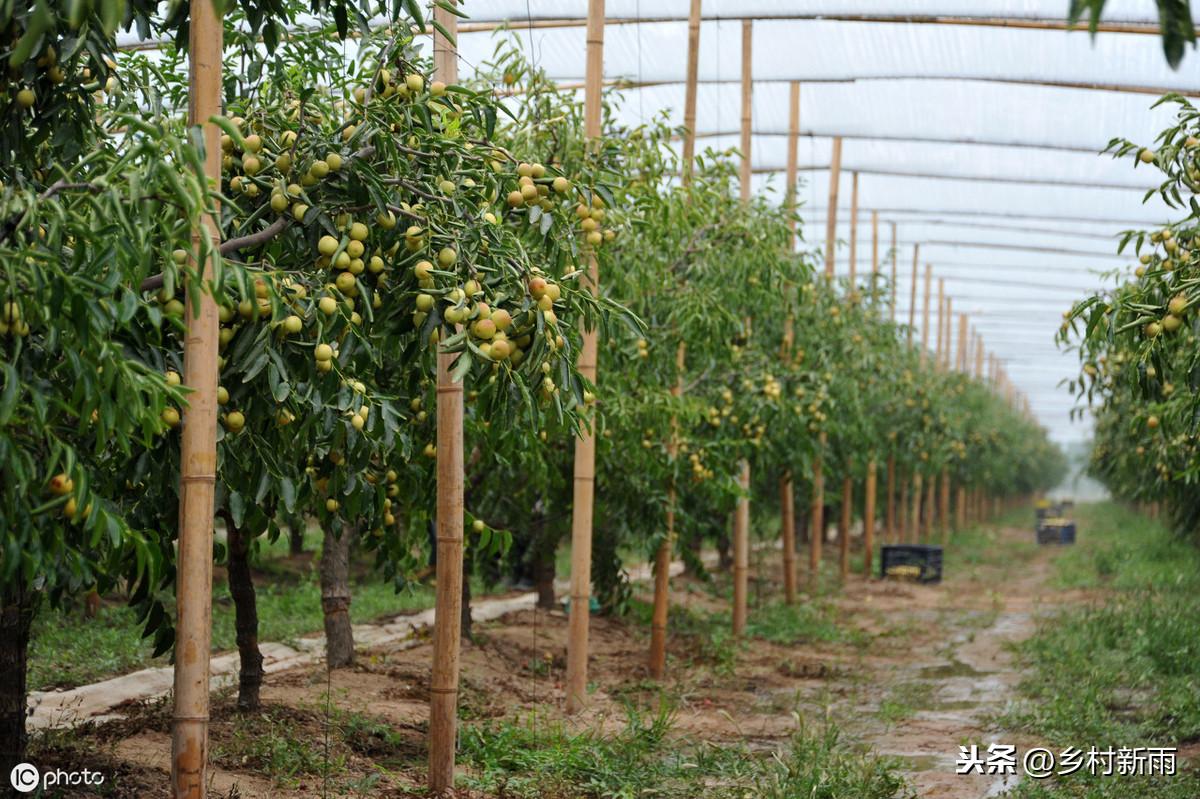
[(447, 625), (835, 177), (741, 527), (689, 99), (198, 445), (869, 519), (941, 319), (925, 313), (902, 514), (914, 520), (816, 534), (853, 230), (912, 301), (962, 343), (930, 506), (662, 558), (944, 506), (585, 446), (874, 249), (949, 347), (844, 527), (787, 496), (894, 255), (889, 530), (788, 522)]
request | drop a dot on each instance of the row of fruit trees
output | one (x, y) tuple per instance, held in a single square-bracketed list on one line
[(369, 217)]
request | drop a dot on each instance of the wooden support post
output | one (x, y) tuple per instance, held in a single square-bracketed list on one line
[(447, 626), (844, 527), (944, 506), (925, 314), (787, 496), (914, 521), (962, 343), (853, 230), (788, 521), (689, 99), (869, 519), (835, 176), (874, 246), (949, 347), (895, 253), (741, 527), (930, 507), (912, 302), (585, 446), (889, 531), (960, 508), (198, 444), (816, 534), (902, 514), (662, 558), (941, 319)]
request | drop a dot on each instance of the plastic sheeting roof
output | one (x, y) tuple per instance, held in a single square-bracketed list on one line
[(976, 128)]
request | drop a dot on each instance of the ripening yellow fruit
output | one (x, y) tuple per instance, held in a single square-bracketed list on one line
[(235, 421), (26, 98), (293, 324), (358, 231), (170, 416), (331, 505), (327, 245), (323, 352), (333, 161), (446, 257)]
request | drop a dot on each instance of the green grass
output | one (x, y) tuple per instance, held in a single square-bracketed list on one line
[(68, 649), (541, 759), (1123, 671), (904, 700)]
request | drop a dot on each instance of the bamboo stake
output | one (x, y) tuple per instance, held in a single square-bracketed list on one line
[(662, 558), (869, 520), (741, 552), (949, 334), (741, 527), (941, 319), (944, 506), (914, 522), (874, 254), (198, 445), (962, 343), (585, 446), (930, 507), (844, 527), (835, 176), (786, 484), (895, 253), (447, 625), (788, 522), (889, 531), (817, 518), (925, 314), (689, 99), (912, 303), (902, 514), (853, 230)]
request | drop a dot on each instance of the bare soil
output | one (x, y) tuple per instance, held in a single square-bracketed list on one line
[(923, 673)]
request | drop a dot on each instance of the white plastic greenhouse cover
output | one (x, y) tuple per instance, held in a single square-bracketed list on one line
[(976, 127)]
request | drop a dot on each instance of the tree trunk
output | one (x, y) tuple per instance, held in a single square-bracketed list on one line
[(245, 604), (544, 546), (468, 568), (16, 616), (296, 538), (724, 556), (335, 597)]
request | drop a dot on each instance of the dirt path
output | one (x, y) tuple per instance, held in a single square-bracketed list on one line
[(955, 669), (909, 671)]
